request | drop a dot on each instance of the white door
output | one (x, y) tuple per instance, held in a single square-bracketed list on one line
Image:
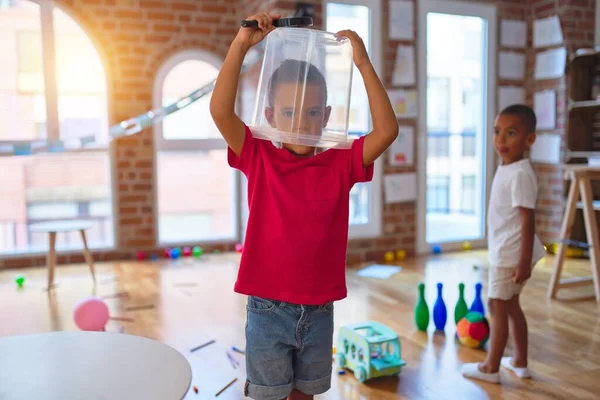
[(457, 47)]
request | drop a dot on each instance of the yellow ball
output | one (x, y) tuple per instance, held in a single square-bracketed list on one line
[(334, 350), (466, 246), (389, 256), (401, 255)]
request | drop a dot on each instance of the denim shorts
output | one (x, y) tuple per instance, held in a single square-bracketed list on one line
[(288, 347)]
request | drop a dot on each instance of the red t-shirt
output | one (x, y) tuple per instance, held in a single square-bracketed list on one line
[(297, 233)]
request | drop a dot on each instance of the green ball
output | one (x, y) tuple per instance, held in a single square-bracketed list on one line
[(20, 280), (197, 251)]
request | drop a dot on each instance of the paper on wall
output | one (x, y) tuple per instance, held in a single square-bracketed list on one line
[(547, 32), (546, 149), (550, 64), (512, 65), (509, 95), (400, 187), (513, 34), (404, 67), (401, 21), (404, 103), (402, 149), (544, 105)]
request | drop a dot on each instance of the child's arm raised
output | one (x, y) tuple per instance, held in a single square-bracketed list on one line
[(222, 102), (385, 124)]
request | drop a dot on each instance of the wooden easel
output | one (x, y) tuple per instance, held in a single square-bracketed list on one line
[(581, 177)]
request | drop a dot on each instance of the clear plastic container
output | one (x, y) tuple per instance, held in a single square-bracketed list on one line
[(303, 94)]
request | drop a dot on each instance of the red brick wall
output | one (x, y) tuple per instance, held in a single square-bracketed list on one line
[(135, 36), (577, 19)]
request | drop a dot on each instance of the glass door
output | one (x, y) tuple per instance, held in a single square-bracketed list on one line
[(457, 52)]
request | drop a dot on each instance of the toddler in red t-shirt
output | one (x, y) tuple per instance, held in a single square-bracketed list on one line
[(294, 259)]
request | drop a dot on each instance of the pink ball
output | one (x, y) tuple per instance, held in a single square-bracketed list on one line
[(91, 314), (239, 248)]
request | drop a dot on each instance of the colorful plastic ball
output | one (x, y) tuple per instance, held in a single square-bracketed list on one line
[(197, 251), (154, 257), (473, 330), (400, 255), (389, 256), (140, 256), (167, 253), (187, 252), (239, 248), (437, 249), (91, 314), (466, 246), (20, 280), (175, 253)]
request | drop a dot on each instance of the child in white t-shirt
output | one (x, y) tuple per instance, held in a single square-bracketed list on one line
[(513, 246)]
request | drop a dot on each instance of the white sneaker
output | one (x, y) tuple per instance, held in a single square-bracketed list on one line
[(520, 372), (472, 371)]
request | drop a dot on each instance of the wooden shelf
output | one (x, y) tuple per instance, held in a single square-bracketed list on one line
[(584, 56), (590, 105), (595, 204)]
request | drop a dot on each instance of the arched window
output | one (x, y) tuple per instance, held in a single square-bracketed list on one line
[(52, 94), (196, 189)]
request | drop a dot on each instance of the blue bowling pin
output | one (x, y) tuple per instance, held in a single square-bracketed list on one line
[(439, 310), (477, 304)]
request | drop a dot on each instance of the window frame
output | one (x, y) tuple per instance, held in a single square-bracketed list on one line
[(185, 145), (371, 229), (51, 96), (489, 13)]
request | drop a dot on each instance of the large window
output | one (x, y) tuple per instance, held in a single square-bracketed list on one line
[(469, 185), (364, 17), (438, 194), (456, 42), (52, 92), (195, 187)]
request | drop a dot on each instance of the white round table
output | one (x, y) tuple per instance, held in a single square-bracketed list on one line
[(91, 366), (52, 228)]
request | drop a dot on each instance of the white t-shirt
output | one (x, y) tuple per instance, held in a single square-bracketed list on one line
[(514, 186)]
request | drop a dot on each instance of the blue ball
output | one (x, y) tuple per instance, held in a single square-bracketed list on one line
[(437, 249), (175, 253), (154, 257)]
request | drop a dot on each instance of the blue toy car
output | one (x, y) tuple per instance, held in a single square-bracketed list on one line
[(370, 350)]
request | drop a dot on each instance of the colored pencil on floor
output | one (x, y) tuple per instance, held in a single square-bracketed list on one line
[(226, 386), (201, 346), (238, 350), (122, 319), (115, 295), (232, 361), (144, 307)]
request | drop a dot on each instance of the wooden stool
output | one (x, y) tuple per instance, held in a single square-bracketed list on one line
[(52, 228), (580, 177)]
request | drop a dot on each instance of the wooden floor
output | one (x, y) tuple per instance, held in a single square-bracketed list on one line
[(195, 303)]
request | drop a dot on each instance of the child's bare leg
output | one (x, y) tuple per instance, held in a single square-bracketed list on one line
[(297, 395), (518, 328), (498, 336), (488, 370)]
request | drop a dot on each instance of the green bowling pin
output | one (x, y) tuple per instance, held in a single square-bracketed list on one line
[(461, 308), (421, 310)]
